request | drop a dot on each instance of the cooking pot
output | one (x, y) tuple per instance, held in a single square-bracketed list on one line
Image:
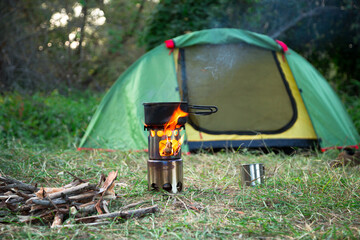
[(159, 113)]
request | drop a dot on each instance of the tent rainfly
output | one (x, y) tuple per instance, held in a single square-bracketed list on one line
[(267, 96)]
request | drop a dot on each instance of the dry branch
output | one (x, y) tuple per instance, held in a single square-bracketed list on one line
[(122, 214), (76, 178), (72, 184), (43, 192), (83, 196), (296, 20), (17, 184), (87, 224), (83, 209), (107, 187), (58, 219), (44, 202), (133, 205), (71, 191)]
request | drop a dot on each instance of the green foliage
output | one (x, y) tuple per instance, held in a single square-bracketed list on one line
[(49, 45), (54, 120), (352, 104), (173, 18)]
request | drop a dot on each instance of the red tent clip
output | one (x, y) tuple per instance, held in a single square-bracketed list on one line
[(283, 46), (170, 44)]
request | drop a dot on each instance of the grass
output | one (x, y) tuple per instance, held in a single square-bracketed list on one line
[(302, 197), (47, 120)]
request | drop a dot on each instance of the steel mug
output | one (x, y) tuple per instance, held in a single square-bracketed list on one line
[(252, 174)]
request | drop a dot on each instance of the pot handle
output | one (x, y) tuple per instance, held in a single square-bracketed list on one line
[(203, 110)]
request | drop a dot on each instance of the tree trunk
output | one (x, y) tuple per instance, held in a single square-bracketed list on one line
[(82, 28)]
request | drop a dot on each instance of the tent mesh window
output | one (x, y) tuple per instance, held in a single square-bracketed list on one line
[(245, 82)]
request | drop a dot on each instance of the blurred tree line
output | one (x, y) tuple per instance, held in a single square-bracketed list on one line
[(87, 43), (67, 44)]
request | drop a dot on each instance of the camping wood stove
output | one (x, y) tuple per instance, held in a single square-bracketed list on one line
[(165, 122)]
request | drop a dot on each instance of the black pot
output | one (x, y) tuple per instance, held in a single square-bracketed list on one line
[(157, 114)]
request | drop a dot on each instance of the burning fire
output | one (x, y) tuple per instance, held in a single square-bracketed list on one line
[(171, 146), (171, 124)]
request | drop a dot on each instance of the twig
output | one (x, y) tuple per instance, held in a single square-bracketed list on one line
[(101, 179), (48, 202), (108, 184), (122, 214), (58, 219), (104, 205), (85, 224), (43, 215), (25, 196), (17, 184), (84, 208), (187, 209), (83, 196), (292, 23), (133, 205), (69, 191), (72, 184), (77, 178)]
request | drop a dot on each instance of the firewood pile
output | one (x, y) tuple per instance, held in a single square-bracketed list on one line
[(78, 200)]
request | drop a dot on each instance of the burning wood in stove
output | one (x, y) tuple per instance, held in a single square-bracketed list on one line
[(168, 150)]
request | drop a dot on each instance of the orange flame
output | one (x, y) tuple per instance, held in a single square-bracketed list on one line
[(171, 124), (178, 147), (170, 147)]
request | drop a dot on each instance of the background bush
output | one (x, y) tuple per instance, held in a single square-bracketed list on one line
[(46, 120)]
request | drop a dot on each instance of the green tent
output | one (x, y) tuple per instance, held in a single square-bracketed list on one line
[(267, 95)]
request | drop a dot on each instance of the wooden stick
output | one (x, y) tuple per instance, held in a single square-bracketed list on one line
[(83, 209), (74, 190), (83, 196), (86, 224), (86, 209), (14, 200), (47, 202), (123, 214), (109, 181), (133, 205), (43, 215), (58, 219), (101, 179), (104, 206), (82, 181), (69, 191), (25, 196), (5, 197), (35, 208), (108, 185), (72, 184), (17, 184), (52, 203)]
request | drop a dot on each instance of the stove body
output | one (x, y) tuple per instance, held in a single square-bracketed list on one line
[(165, 166)]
